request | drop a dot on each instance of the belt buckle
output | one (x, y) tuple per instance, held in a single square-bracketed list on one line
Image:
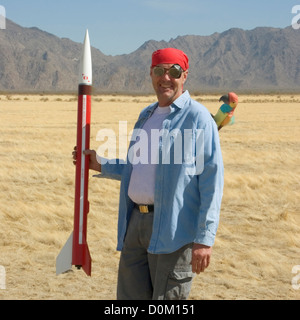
[(144, 209)]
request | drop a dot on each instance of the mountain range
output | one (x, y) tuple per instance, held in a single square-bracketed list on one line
[(263, 59)]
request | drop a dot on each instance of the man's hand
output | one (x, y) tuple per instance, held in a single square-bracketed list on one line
[(93, 163), (200, 257)]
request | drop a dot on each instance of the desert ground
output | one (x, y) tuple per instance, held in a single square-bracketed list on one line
[(258, 241)]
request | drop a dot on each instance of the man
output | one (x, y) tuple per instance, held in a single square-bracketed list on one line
[(169, 209)]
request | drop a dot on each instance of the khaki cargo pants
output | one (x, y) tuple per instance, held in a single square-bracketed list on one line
[(145, 276)]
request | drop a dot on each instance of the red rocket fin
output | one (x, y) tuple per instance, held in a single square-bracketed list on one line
[(87, 260)]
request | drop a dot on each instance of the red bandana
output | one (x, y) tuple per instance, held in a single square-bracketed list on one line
[(172, 56)]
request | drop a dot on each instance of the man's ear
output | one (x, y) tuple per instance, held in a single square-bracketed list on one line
[(185, 74)]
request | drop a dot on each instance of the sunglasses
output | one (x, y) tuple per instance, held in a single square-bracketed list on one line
[(174, 72)]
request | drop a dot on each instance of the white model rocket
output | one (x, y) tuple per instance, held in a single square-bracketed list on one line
[(76, 251)]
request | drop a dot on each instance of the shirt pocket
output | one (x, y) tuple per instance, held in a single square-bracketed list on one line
[(178, 147)]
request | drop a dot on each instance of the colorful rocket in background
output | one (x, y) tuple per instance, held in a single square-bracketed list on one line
[(76, 251), (225, 115)]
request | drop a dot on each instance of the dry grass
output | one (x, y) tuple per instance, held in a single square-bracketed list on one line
[(258, 241)]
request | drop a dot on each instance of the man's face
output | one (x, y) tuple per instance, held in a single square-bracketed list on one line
[(167, 89)]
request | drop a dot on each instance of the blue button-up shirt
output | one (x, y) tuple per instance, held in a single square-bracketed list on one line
[(187, 202)]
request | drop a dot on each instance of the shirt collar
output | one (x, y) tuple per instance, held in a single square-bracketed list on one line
[(181, 101)]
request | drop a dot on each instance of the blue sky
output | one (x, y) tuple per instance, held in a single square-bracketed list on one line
[(122, 26)]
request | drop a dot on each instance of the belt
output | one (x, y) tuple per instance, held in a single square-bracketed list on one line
[(144, 208)]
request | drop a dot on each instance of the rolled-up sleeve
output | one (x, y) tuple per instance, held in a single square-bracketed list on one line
[(111, 169)]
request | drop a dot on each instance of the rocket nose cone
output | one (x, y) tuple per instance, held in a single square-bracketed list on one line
[(85, 72), (87, 34), (86, 39)]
